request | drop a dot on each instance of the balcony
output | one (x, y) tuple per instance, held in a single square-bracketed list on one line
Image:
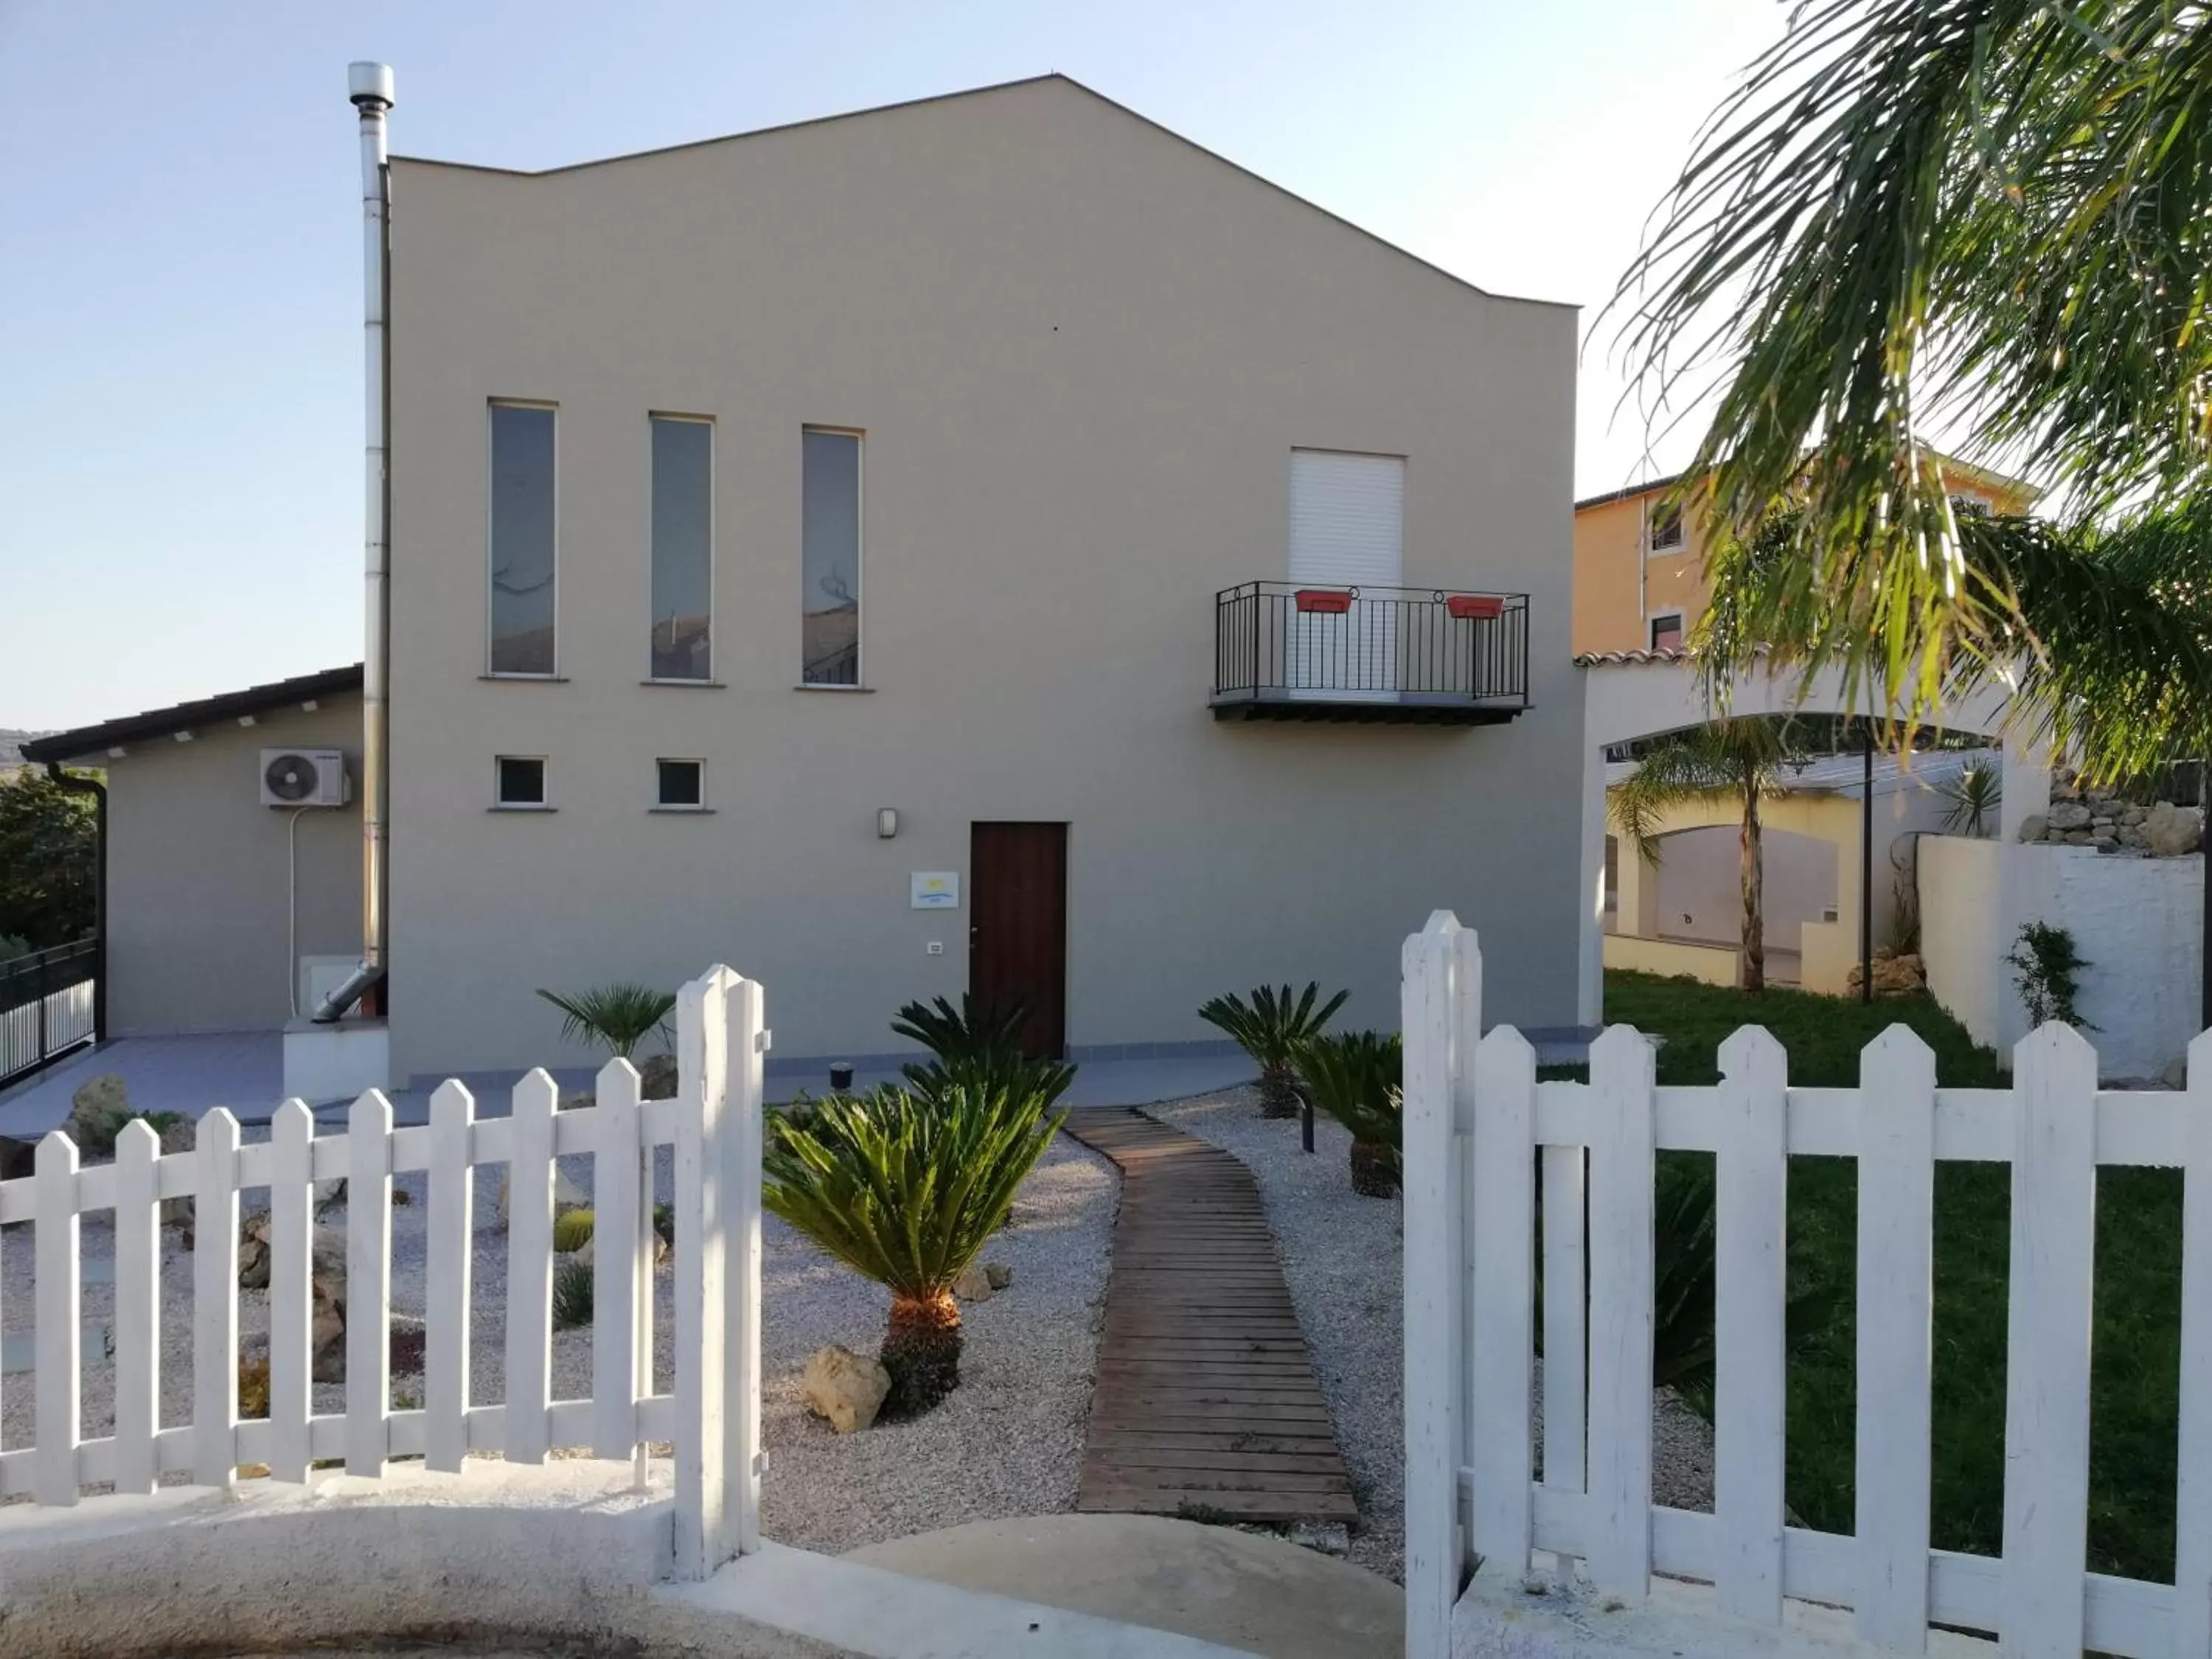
[(1408, 656)]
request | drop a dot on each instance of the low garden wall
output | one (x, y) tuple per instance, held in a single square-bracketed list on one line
[(2137, 921), (1713, 963)]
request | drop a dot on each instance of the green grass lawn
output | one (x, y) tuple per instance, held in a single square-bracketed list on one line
[(2136, 1331)]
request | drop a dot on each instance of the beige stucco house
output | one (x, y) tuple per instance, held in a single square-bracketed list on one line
[(986, 543)]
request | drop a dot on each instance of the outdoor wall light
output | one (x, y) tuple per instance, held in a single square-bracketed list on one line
[(887, 821)]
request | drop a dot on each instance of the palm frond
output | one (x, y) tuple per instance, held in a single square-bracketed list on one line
[(1991, 215), (997, 1072), (1271, 1026), (617, 1016), (902, 1190), (974, 1030), (1973, 796)]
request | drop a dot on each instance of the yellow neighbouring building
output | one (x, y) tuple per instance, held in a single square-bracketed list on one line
[(1684, 915)]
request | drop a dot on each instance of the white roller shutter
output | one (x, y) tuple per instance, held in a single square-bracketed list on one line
[(1348, 530)]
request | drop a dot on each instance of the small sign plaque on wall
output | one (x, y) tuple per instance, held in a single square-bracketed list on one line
[(937, 890)]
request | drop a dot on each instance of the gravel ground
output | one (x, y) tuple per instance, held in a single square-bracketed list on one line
[(1007, 1443), (1343, 1256)]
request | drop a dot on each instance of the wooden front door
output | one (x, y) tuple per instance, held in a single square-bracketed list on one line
[(1018, 942)]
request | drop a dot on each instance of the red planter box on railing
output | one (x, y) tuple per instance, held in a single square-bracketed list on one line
[(1475, 607), (1335, 601)]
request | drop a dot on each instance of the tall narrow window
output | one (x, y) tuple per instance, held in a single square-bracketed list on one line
[(829, 560), (682, 548), (522, 540)]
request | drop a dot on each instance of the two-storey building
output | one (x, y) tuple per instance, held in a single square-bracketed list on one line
[(989, 543)]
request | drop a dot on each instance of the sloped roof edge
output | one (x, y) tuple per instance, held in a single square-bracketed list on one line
[(183, 716)]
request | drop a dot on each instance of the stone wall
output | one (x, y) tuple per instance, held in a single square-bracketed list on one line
[(2082, 815)]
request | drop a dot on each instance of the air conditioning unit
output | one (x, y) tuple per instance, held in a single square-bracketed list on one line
[(304, 777)]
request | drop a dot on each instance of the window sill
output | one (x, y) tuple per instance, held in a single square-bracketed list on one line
[(542, 680), (683, 811), (687, 685), (519, 806), (804, 686)]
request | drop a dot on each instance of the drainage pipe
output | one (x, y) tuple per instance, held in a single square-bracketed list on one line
[(369, 85)]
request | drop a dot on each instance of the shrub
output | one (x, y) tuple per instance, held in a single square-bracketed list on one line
[(1358, 1079), (572, 1231), (97, 1135), (572, 1295), (905, 1190), (1270, 1028), (2048, 960)]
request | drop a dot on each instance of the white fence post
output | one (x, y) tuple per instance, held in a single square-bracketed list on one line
[(530, 1269), (702, 1526), (1434, 1280), (57, 1309), (1622, 1169), (137, 1306), (747, 1052), (2054, 1239), (1500, 1338), (2192, 1555), (368, 1284), (1750, 1299), (291, 1289), (1566, 1269), (621, 1260), (445, 1293), (1896, 1245), (215, 1301)]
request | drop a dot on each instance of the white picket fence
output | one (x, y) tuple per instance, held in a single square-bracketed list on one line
[(712, 1419), (1483, 1136)]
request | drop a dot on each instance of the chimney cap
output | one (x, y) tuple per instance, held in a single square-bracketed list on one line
[(369, 83)]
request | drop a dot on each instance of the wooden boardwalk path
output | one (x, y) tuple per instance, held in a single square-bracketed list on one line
[(1205, 1398)]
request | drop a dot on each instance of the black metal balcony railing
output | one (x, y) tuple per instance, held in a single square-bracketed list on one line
[(1283, 651), (46, 1005)]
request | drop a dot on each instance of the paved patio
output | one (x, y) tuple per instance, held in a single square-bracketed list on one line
[(245, 1071)]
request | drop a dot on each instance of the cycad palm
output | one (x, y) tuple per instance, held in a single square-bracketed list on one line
[(1744, 760), (906, 1191), (1357, 1078), (1991, 214), (1272, 1028)]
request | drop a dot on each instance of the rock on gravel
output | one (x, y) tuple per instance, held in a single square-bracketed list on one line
[(1007, 1443), (1343, 1256)]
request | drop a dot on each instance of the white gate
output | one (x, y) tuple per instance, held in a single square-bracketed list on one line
[(1483, 1136)]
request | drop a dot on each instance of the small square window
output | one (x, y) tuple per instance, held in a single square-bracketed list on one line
[(1666, 530), (682, 783), (1666, 632), (521, 780)]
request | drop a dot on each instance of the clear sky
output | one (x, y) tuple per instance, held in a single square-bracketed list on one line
[(179, 232)]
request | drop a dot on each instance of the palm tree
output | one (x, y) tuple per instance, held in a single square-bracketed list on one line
[(1991, 214), (906, 1191), (617, 1016), (1270, 1028), (1744, 759)]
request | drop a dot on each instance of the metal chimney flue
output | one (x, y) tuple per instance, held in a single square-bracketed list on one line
[(369, 85)]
